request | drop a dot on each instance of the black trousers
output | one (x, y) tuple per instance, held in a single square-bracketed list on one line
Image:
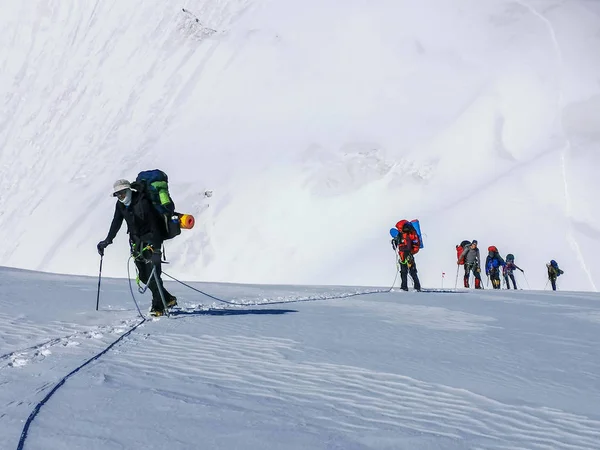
[(476, 271), (512, 277), (144, 264), (553, 283), (495, 277), (409, 268)]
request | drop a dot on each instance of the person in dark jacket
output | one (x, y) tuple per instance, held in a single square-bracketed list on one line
[(493, 262), (407, 244), (146, 235), (553, 273), (470, 258), (508, 270)]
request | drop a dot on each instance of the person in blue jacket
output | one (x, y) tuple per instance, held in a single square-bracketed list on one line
[(493, 262)]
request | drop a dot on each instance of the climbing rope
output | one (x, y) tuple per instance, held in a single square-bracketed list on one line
[(58, 385), (310, 299)]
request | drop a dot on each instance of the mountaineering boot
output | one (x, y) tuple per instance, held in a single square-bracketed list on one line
[(477, 283), (467, 282), (417, 283), (157, 312), (171, 302)]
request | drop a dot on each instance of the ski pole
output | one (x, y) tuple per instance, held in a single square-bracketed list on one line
[(99, 279)]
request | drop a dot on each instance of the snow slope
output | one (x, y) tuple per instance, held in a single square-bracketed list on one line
[(318, 126), (485, 370)]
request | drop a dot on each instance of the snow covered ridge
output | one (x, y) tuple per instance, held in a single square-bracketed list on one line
[(316, 125), (492, 370)]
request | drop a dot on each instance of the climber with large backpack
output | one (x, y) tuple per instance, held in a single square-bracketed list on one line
[(469, 256), (493, 262), (508, 269), (553, 273), (147, 228), (407, 242)]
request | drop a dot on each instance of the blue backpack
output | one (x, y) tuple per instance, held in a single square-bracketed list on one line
[(417, 226)]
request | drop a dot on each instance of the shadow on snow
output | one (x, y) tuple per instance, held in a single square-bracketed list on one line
[(231, 312)]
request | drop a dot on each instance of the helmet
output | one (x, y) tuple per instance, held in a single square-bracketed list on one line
[(474, 242), (510, 257), (492, 248)]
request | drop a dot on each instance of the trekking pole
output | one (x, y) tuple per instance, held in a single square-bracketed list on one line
[(456, 281), (525, 276), (99, 279), (397, 270), (546, 285)]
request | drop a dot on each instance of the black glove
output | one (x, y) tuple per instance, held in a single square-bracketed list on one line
[(101, 246)]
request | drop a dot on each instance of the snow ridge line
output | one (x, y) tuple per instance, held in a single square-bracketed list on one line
[(567, 147), (42, 402)]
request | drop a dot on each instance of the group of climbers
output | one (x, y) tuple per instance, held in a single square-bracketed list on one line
[(495, 266), (407, 241)]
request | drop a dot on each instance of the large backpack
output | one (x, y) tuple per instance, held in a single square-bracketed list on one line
[(154, 184), (460, 249), (417, 226), (417, 243)]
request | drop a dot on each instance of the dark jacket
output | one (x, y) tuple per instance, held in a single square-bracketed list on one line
[(492, 263), (144, 223), (510, 267), (554, 272)]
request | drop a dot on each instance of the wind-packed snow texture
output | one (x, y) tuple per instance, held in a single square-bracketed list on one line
[(317, 124), (403, 371)]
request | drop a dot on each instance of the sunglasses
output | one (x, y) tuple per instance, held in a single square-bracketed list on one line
[(121, 194)]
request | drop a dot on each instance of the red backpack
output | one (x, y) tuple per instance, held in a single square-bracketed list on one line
[(413, 235), (460, 249)]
